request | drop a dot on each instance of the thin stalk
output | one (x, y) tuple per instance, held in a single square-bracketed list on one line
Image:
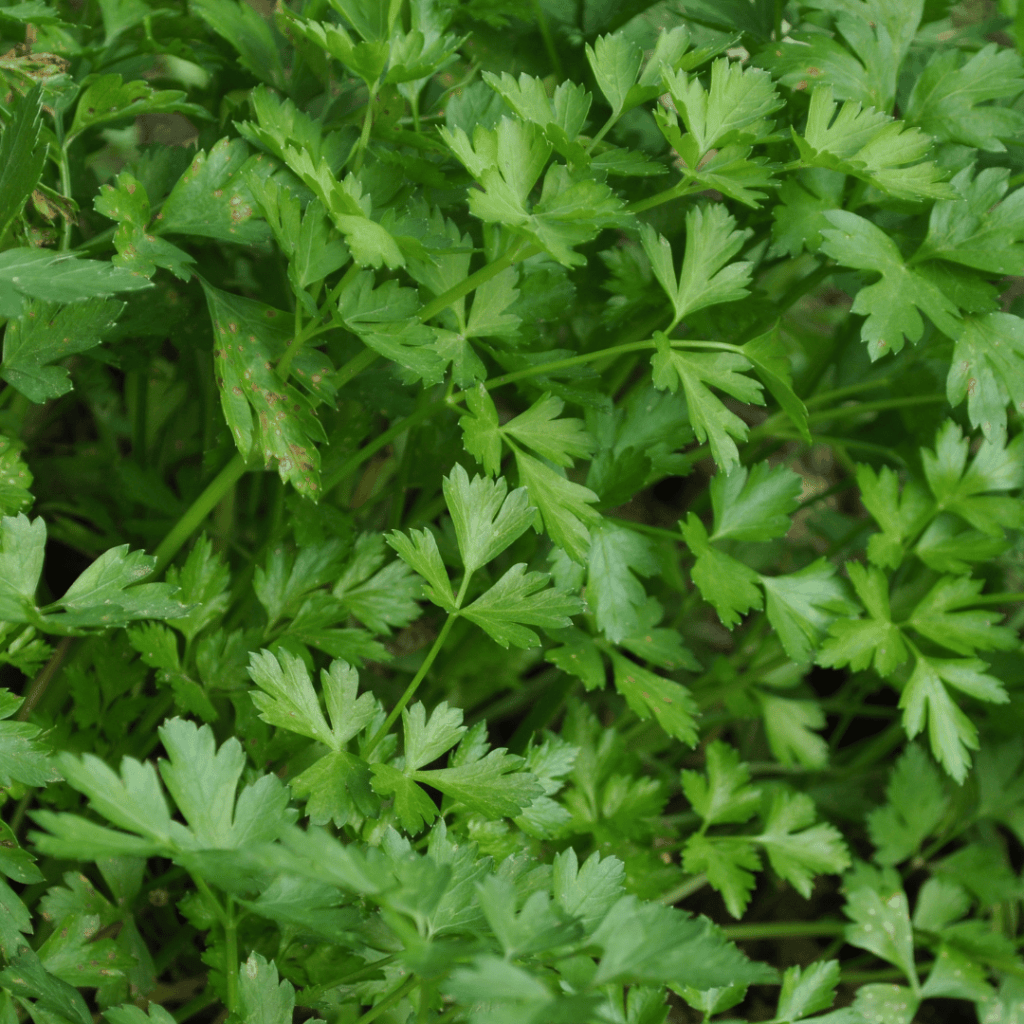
[(194, 1006), (314, 992), (354, 367), (1008, 597), (231, 955), (784, 930), (198, 511), (391, 1000), (141, 415), (413, 686), (516, 254), (364, 135), (875, 449), (852, 389), (675, 192), (65, 178), (284, 364), (687, 888), (351, 464), (605, 128), (43, 680), (549, 42)]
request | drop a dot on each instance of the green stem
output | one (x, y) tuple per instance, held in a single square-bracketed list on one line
[(852, 389), (390, 1000), (884, 403), (364, 135), (549, 42), (354, 367), (1008, 597), (231, 955), (43, 680), (65, 180), (421, 673), (284, 364), (141, 415), (198, 511), (675, 192), (784, 930), (351, 464), (313, 993), (605, 128), (194, 1006), (516, 254), (684, 889)]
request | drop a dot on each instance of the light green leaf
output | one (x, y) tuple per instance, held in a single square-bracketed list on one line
[(520, 599)]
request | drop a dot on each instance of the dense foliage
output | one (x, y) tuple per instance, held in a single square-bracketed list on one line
[(512, 511)]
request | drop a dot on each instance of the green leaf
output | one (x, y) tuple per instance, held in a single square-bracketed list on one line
[(204, 782), (15, 479), (711, 420), (128, 204), (771, 363), (615, 61), (202, 584), (950, 732), (419, 551), (706, 278), (797, 849), (247, 337), (946, 97), (652, 696), (614, 593), (901, 517), (250, 34), (578, 656), (588, 892), (987, 369), (724, 582), (754, 505), (877, 906), (564, 506), (916, 805), (967, 491), (894, 303), (870, 145), (108, 98), (520, 599), (802, 605), (487, 519), (861, 642), (481, 432), (729, 862), (59, 278), (800, 213), (557, 440), (790, 726), (262, 1000), (336, 788), (493, 786), (109, 594), (807, 990), (426, 739), (651, 943), (22, 158), (735, 108), (289, 701), (938, 617), (213, 199), (384, 600), (46, 333), (723, 794), (22, 757), (22, 543), (981, 228)]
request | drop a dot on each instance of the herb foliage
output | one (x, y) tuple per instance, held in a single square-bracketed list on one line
[(511, 512)]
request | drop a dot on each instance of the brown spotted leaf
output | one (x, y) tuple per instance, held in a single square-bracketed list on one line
[(212, 198), (263, 412)]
